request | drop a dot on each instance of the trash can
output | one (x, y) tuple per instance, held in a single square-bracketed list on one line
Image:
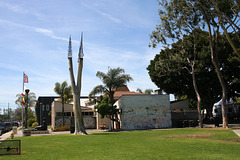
[(72, 129), (15, 130)]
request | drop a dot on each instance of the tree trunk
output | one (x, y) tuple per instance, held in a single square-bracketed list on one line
[(225, 31), (80, 128), (112, 104), (198, 98), (195, 85), (79, 125), (214, 57)]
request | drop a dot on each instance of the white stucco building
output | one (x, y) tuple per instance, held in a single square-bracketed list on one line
[(144, 112)]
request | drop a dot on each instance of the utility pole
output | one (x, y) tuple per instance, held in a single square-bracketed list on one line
[(8, 113)]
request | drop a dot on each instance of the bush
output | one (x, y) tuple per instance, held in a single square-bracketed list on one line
[(35, 124), (61, 128), (31, 121)]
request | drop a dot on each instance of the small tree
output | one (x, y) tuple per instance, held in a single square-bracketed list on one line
[(114, 78), (27, 100), (105, 108), (64, 91)]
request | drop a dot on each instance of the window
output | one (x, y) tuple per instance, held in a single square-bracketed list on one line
[(67, 113), (59, 113), (47, 107), (87, 113), (43, 107), (229, 109)]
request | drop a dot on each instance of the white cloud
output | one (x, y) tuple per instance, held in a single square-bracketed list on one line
[(104, 14), (44, 31), (18, 9)]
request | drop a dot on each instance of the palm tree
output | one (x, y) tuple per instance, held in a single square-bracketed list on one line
[(139, 90), (114, 78), (148, 91), (65, 92), (30, 100)]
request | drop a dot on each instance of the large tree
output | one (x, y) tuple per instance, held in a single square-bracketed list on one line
[(76, 88), (115, 77), (228, 14), (64, 91), (168, 72), (178, 17)]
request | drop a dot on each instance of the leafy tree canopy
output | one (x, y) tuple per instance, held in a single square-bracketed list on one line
[(169, 69), (105, 108)]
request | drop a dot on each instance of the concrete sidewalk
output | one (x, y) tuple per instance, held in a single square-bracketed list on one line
[(89, 131), (20, 134), (6, 135), (237, 131)]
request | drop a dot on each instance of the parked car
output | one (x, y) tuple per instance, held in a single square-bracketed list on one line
[(5, 127), (15, 124)]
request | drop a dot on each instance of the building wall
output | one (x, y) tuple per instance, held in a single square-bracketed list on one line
[(179, 105), (89, 120), (144, 112)]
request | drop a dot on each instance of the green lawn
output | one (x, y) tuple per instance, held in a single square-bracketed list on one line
[(151, 144)]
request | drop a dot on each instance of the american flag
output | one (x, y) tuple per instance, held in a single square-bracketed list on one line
[(25, 78)]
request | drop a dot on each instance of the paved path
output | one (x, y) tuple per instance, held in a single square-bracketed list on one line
[(19, 133), (5, 135), (89, 131), (237, 131)]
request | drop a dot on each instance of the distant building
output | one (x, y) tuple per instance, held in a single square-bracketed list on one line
[(182, 115), (43, 109), (88, 115)]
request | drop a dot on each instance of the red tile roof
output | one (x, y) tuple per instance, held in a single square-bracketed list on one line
[(124, 91), (118, 94)]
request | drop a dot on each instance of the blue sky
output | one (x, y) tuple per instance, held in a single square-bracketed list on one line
[(34, 39)]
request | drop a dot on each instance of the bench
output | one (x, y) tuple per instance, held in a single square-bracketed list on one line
[(103, 126)]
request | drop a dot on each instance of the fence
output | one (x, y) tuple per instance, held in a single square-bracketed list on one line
[(10, 147)]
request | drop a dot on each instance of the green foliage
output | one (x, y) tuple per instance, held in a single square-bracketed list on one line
[(170, 69), (64, 91), (115, 77), (105, 108), (147, 91), (31, 99), (31, 121), (34, 124)]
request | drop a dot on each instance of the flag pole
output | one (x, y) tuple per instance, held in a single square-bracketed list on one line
[(22, 104)]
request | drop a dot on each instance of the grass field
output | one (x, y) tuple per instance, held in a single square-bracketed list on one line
[(150, 144)]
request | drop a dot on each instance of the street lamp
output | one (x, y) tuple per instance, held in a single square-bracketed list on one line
[(26, 107)]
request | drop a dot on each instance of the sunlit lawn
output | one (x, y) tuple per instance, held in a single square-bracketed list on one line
[(151, 144)]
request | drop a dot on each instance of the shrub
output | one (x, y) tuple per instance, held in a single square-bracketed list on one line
[(31, 121), (35, 124), (61, 128)]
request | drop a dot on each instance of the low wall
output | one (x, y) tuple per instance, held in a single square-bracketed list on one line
[(89, 121)]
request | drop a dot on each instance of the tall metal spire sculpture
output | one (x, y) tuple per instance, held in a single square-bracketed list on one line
[(76, 88)]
